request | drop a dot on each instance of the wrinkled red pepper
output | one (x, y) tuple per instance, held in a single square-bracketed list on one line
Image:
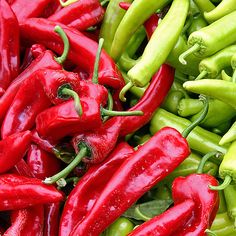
[(145, 168), (53, 7), (80, 15), (9, 46), (84, 195)]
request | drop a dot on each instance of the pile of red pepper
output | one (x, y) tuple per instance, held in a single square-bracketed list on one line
[(81, 85)]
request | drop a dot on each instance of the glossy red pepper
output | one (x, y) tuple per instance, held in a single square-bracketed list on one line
[(84, 195), (166, 223), (53, 7), (151, 24), (46, 60), (13, 149), (80, 14), (82, 53), (26, 9), (19, 192), (37, 50), (9, 46), (196, 188), (144, 169)]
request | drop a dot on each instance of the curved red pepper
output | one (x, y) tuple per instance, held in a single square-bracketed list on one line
[(53, 7), (196, 188), (13, 149), (19, 192), (9, 45), (145, 168), (46, 60), (83, 196), (80, 15), (82, 49), (151, 24)]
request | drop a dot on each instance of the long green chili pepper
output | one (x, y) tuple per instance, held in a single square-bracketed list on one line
[(230, 136), (211, 67), (189, 106), (230, 196), (210, 39), (198, 23), (204, 5), (219, 89), (136, 15), (199, 139), (158, 48), (111, 21), (224, 8)]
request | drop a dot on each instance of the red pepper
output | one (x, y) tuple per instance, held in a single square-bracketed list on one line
[(82, 53), (167, 223), (46, 60), (37, 50), (53, 7), (19, 192), (151, 24), (41, 163), (144, 169), (196, 188), (84, 195), (9, 46), (26, 9), (13, 149), (80, 15)]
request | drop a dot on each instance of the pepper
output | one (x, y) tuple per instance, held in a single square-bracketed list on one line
[(211, 67), (82, 198), (80, 14), (197, 23), (24, 12), (204, 5), (121, 227), (229, 136), (29, 192), (195, 188), (222, 204), (135, 16), (159, 46), (53, 7), (82, 49), (219, 89), (199, 139), (225, 7), (134, 177), (189, 106), (19, 144), (111, 21), (166, 223), (9, 46), (209, 40), (233, 64), (46, 60)]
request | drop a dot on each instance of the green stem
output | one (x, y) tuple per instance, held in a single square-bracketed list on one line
[(110, 105), (226, 182), (66, 43), (75, 96), (106, 112), (123, 91), (67, 3), (195, 123), (202, 75), (190, 51), (65, 172), (204, 160), (97, 59)]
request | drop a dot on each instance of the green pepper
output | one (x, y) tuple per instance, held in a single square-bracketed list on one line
[(222, 204), (197, 23), (121, 227), (204, 5), (111, 21), (219, 89), (230, 136), (209, 40), (225, 76), (223, 226), (199, 139), (233, 64), (222, 129), (136, 15), (224, 8), (189, 106)]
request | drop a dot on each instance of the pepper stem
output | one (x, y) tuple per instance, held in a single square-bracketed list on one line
[(209, 232), (191, 50), (75, 96), (65, 172), (106, 112), (226, 183), (124, 90), (195, 123), (204, 160), (66, 43), (97, 59), (67, 3), (110, 104), (202, 75)]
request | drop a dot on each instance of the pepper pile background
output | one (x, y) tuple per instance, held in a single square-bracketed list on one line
[(93, 97)]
